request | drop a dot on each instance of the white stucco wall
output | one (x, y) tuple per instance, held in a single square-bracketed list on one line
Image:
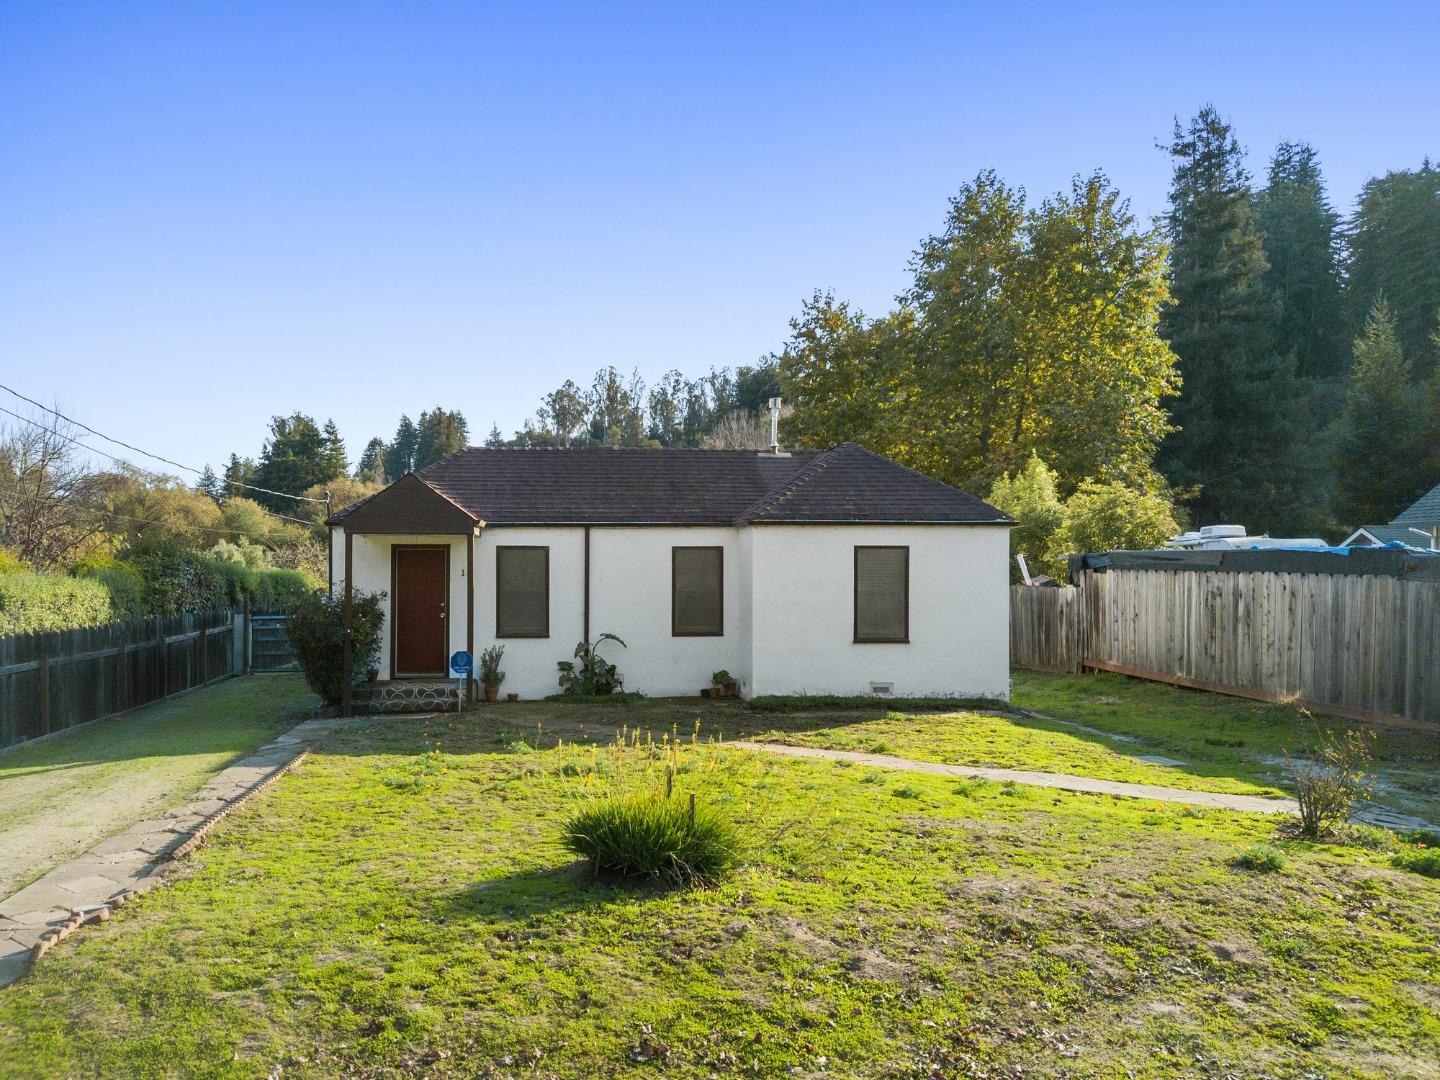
[(372, 558), (803, 612), (788, 607), (630, 596), (529, 663)]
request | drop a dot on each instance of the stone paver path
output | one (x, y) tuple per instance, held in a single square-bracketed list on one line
[(134, 860), (1064, 781)]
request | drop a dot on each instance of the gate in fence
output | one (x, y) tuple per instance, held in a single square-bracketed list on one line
[(270, 648)]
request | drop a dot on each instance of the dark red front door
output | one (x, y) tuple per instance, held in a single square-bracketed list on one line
[(421, 633)]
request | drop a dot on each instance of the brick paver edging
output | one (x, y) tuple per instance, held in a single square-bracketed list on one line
[(92, 886), (102, 912)]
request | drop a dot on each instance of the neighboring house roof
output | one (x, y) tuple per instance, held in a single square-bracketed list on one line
[(1385, 534), (1423, 513), (610, 486)]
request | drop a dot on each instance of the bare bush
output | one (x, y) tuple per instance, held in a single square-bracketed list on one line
[(1332, 779)]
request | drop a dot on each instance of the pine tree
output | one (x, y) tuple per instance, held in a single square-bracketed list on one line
[(1394, 241), (1241, 408), (438, 435), (210, 484), (333, 456), (494, 440), (400, 454), (296, 456), (1382, 443), (1299, 229), (371, 466), (238, 473)]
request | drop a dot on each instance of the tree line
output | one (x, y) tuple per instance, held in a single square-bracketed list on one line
[(1251, 357)]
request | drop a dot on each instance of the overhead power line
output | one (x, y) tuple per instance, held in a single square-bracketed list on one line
[(147, 453), (173, 526), (148, 472)]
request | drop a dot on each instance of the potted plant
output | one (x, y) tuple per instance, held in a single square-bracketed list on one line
[(372, 674), (722, 684), (512, 697), (490, 674)]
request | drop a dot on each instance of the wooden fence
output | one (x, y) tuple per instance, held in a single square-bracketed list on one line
[(1357, 645), (50, 682)]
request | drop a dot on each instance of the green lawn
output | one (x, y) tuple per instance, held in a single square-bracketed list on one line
[(60, 796), (1216, 734), (388, 910)]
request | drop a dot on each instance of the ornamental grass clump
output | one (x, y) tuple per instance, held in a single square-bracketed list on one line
[(668, 840)]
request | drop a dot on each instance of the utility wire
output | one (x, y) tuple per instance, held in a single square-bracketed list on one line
[(149, 521), (146, 453), (137, 468)]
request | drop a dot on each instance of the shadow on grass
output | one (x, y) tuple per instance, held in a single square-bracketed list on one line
[(570, 888)]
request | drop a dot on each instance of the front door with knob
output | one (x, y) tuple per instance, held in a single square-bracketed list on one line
[(419, 612)]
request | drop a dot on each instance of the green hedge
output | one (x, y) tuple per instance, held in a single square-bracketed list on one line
[(32, 603), (178, 581), (157, 581)]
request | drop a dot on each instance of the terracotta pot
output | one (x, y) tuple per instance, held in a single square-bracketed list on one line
[(491, 693), (512, 697), (372, 674), (730, 689), (714, 691)]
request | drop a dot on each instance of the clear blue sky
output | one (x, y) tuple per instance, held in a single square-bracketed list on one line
[(210, 213)]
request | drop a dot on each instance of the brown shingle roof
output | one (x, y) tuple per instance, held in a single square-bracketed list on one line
[(606, 486)]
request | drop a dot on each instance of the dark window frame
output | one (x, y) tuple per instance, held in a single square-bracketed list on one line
[(499, 630), (904, 639), (675, 631)]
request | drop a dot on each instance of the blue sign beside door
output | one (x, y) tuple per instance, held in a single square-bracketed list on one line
[(460, 663)]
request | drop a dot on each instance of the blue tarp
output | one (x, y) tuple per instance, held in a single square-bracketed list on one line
[(1388, 560)]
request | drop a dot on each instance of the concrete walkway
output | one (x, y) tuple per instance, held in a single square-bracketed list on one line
[(1250, 803), (132, 861)]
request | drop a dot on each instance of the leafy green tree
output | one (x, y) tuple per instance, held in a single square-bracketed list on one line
[(1301, 243), (1025, 332), (1382, 445), (616, 409), (1241, 409), (564, 413), (1394, 239), (400, 454), (494, 440), (438, 435), (1112, 516), (1031, 499), (370, 469)]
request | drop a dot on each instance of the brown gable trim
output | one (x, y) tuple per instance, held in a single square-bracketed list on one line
[(408, 506)]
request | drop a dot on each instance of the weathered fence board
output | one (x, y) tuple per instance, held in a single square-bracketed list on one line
[(50, 682), (1366, 645)]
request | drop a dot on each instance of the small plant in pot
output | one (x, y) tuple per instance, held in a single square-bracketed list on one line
[(490, 674), (722, 684)]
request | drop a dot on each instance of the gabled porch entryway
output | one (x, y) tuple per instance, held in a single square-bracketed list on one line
[(418, 630)]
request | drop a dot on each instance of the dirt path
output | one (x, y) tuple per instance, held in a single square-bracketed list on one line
[(60, 796), (1063, 781)]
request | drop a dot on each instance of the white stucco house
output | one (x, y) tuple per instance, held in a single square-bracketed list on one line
[(833, 571)]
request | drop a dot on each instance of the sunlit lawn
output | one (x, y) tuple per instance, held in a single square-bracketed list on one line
[(384, 913), (60, 795)]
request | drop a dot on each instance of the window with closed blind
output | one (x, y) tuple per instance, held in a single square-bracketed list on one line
[(882, 594), (522, 592), (697, 583)]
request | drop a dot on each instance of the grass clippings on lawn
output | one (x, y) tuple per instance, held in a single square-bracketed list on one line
[(402, 906)]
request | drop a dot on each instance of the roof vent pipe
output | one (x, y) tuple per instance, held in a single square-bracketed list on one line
[(774, 425)]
